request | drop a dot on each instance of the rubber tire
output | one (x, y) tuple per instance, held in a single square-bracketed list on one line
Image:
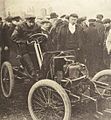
[(11, 75), (101, 73), (59, 89)]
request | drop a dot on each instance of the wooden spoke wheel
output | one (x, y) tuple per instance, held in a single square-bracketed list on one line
[(104, 77), (7, 79), (47, 100)]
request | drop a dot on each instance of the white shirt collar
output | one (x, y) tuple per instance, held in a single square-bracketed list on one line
[(72, 28)]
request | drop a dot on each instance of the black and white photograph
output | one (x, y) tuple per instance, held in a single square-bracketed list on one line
[(55, 59)]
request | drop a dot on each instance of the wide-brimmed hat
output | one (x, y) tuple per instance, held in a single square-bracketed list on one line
[(53, 15)]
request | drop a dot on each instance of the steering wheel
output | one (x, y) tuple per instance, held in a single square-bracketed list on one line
[(39, 38)]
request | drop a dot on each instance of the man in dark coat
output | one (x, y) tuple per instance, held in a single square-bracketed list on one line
[(92, 43), (82, 27), (45, 29), (6, 39), (69, 36), (1, 25), (106, 57), (20, 36), (101, 29)]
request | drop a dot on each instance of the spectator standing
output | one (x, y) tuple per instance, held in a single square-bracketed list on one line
[(106, 50), (100, 28), (92, 43)]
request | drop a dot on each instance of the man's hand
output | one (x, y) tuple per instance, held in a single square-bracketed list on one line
[(78, 49), (6, 48)]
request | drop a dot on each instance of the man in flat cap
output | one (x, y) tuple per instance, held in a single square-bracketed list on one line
[(100, 28), (69, 35), (107, 25), (6, 39), (20, 36), (56, 25), (81, 22), (45, 29), (53, 18), (92, 43), (99, 17), (108, 39)]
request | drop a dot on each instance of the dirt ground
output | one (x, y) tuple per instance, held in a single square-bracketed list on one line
[(15, 108)]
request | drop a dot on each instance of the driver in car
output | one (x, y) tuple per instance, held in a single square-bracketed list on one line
[(20, 36)]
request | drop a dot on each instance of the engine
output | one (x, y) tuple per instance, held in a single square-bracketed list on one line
[(74, 70)]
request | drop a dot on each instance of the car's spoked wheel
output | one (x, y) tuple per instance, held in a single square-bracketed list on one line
[(7, 79), (107, 90), (105, 78), (48, 104)]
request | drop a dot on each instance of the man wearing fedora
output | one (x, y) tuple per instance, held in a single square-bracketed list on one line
[(20, 36)]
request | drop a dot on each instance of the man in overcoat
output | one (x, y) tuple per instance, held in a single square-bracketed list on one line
[(91, 46), (70, 36), (20, 36)]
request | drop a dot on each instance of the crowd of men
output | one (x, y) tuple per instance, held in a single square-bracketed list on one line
[(67, 32)]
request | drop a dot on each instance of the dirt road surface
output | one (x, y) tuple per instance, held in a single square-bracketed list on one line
[(16, 108)]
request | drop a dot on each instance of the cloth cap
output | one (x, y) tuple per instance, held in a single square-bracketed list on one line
[(107, 20), (92, 20), (45, 21), (81, 19), (63, 16), (8, 19), (29, 17), (99, 16), (73, 15), (16, 18)]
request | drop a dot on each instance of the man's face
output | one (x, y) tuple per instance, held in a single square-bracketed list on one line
[(30, 23), (8, 23), (72, 20), (107, 25), (16, 22)]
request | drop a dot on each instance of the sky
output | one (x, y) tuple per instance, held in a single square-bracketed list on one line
[(82, 7)]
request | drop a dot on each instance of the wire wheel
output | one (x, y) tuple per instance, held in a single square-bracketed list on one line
[(104, 77), (7, 79), (47, 100)]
